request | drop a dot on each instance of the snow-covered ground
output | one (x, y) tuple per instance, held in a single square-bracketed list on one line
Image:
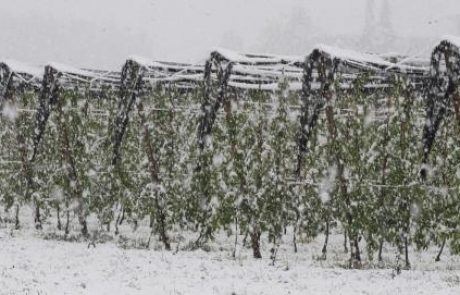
[(31, 264)]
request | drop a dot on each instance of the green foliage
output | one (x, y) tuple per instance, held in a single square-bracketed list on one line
[(360, 172)]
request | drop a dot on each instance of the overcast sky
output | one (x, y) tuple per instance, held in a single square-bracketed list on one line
[(102, 33)]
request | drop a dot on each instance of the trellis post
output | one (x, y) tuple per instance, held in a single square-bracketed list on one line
[(131, 82), (440, 91)]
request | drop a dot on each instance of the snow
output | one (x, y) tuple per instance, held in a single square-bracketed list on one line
[(63, 68), (282, 71), (345, 54), (140, 60), (452, 39), (416, 61), (253, 59), (163, 71), (19, 67), (327, 184), (251, 71), (373, 61), (57, 193), (265, 87), (31, 264), (165, 64), (10, 111), (182, 77), (71, 74), (233, 56), (69, 69), (94, 74), (218, 160), (35, 266), (261, 71)]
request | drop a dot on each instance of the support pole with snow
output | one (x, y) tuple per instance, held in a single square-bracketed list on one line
[(440, 93)]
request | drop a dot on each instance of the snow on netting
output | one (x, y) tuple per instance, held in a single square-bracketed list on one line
[(257, 71), (15, 75), (180, 75), (348, 65), (69, 77)]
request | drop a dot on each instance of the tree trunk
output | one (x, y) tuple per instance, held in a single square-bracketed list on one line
[(355, 257), (245, 238), (406, 252), (148, 241), (152, 220), (58, 214), (236, 238), (17, 224), (67, 222), (380, 251), (117, 223), (255, 242), (326, 240), (438, 257), (37, 218), (122, 216), (116, 228), (77, 191), (345, 242), (358, 251), (135, 222), (163, 234), (83, 224), (294, 238), (154, 168), (274, 251)]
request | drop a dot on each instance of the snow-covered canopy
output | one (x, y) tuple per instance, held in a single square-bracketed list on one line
[(392, 63), (72, 77), (22, 68), (16, 73), (350, 64), (259, 71), (180, 74), (248, 70)]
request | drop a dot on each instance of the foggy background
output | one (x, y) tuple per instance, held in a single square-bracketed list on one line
[(102, 33)]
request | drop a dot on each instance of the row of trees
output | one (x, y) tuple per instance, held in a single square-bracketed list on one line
[(361, 172)]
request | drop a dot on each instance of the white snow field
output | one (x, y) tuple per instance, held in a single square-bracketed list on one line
[(32, 264)]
